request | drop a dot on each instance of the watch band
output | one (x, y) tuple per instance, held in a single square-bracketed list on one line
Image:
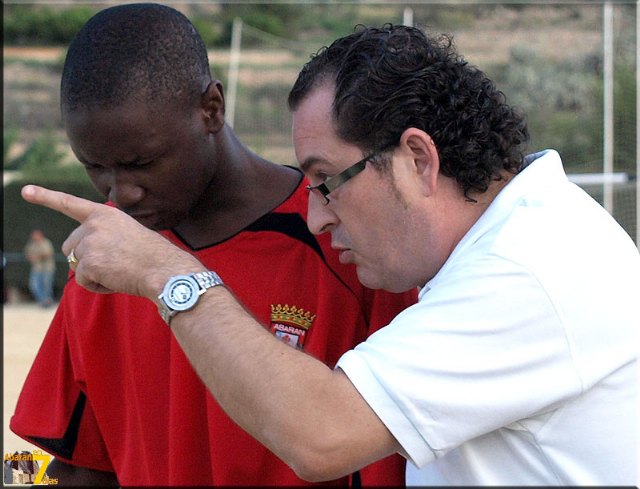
[(168, 306), (207, 279)]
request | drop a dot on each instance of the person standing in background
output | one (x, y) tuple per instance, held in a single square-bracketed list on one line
[(40, 254)]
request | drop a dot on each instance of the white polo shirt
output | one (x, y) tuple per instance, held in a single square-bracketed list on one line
[(518, 364)]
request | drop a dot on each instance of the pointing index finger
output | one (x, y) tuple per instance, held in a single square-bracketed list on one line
[(74, 207)]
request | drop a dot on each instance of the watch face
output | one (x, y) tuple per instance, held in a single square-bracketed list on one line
[(182, 293)]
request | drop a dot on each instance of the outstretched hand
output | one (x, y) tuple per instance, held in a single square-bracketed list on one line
[(115, 253)]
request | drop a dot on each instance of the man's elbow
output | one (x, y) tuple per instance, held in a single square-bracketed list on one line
[(319, 464)]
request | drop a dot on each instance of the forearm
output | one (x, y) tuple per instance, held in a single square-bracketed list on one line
[(260, 382)]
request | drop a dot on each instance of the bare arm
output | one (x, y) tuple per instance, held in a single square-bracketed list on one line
[(260, 381), (257, 380), (70, 475)]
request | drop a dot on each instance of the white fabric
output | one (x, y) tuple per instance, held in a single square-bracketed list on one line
[(518, 364)]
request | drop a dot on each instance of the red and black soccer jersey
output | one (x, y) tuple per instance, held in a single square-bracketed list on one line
[(110, 388)]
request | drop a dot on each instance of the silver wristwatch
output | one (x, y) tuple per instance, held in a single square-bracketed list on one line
[(182, 292)]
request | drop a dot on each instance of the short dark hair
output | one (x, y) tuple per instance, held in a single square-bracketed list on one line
[(137, 50), (391, 78)]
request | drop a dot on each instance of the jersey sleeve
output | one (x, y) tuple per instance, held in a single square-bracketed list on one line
[(53, 411)]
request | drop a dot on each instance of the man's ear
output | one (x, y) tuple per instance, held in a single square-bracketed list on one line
[(426, 161), (212, 103)]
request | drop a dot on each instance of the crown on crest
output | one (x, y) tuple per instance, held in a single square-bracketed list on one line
[(292, 315)]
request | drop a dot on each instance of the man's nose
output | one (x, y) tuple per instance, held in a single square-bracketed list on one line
[(124, 192), (320, 217)]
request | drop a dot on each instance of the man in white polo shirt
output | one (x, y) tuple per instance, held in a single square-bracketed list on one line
[(519, 364), (511, 370)]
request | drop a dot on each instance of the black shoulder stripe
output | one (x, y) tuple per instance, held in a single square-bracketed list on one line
[(65, 446), (294, 226), (290, 224)]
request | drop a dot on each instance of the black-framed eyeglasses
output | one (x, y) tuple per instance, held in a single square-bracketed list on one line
[(330, 184)]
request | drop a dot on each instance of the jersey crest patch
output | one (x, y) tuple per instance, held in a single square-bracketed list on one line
[(290, 324)]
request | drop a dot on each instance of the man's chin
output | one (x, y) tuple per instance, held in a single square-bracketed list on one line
[(153, 223), (375, 281), (368, 279)]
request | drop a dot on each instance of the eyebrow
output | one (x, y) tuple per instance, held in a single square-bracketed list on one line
[(132, 161), (310, 162)]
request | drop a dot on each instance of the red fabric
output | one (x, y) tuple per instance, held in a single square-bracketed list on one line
[(146, 415)]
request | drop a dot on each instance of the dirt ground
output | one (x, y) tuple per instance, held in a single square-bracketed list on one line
[(25, 325)]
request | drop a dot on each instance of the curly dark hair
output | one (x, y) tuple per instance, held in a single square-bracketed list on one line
[(391, 78), (140, 50)]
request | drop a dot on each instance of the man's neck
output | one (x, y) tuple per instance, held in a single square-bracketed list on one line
[(246, 199)]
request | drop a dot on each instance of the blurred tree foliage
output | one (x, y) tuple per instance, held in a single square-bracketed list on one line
[(625, 119), (46, 25), (42, 24), (563, 101), (41, 154), (10, 135), (273, 18), (42, 158)]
